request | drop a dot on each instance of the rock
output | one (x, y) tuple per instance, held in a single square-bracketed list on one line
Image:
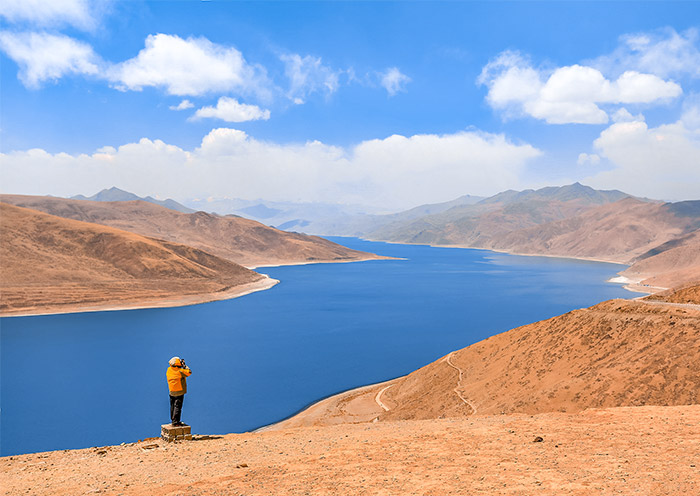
[(538, 439)]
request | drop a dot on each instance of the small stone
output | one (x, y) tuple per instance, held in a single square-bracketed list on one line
[(538, 439)]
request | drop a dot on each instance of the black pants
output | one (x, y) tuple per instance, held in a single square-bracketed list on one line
[(176, 408)]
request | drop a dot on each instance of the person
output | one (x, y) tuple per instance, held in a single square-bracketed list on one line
[(177, 374)]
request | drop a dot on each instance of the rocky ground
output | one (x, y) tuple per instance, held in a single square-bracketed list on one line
[(629, 450)]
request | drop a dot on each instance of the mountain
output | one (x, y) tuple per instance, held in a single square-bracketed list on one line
[(50, 263), (619, 231), (115, 194), (477, 224), (240, 240), (617, 353)]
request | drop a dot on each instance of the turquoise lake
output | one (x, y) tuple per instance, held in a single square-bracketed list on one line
[(93, 379)]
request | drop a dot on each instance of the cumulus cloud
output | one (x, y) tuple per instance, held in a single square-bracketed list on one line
[(231, 110), (42, 56), (183, 105), (665, 53), (396, 172), (80, 14), (308, 75), (661, 162), (192, 66), (394, 81), (570, 94)]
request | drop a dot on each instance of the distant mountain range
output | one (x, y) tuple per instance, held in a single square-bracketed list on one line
[(570, 221), (115, 194)]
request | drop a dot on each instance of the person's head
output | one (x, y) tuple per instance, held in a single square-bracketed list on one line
[(175, 362)]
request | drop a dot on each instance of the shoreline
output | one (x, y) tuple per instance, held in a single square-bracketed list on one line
[(629, 285), (320, 403), (266, 282), (318, 262)]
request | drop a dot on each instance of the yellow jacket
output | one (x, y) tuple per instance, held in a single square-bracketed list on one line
[(177, 384)]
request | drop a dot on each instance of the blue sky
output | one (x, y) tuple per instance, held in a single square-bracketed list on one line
[(385, 104)]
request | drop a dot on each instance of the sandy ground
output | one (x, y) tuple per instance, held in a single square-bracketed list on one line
[(166, 302), (631, 450)]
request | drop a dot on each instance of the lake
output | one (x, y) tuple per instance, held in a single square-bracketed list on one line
[(93, 379)]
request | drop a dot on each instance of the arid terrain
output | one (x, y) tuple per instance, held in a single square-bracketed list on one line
[(243, 241), (50, 264), (630, 451)]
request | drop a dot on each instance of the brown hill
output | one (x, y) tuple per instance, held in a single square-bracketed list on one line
[(616, 353), (243, 241), (619, 232), (673, 264), (661, 239), (52, 264), (478, 225)]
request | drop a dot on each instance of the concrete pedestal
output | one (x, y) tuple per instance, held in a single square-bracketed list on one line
[(170, 433)]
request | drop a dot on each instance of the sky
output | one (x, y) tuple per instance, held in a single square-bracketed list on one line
[(383, 104)]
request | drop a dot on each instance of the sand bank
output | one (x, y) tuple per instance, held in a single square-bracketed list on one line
[(262, 284)]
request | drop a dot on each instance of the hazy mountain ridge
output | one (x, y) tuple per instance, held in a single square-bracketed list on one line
[(115, 194), (570, 221)]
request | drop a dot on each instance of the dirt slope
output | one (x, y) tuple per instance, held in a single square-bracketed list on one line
[(618, 232), (674, 264), (643, 450), (616, 353), (49, 263), (240, 240)]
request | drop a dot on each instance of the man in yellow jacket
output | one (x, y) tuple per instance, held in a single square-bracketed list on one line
[(177, 384)]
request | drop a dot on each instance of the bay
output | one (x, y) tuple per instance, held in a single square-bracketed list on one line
[(91, 379)]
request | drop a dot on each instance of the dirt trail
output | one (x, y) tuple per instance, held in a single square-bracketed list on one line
[(692, 306), (448, 360), (378, 398)]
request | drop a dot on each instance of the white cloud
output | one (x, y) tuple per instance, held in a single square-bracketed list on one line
[(394, 81), (661, 162), (665, 53), (570, 94), (308, 75), (183, 105), (623, 115), (588, 159), (192, 66), (396, 172), (43, 56), (230, 110), (77, 13), (691, 112)]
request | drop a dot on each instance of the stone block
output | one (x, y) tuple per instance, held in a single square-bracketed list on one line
[(170, 433)]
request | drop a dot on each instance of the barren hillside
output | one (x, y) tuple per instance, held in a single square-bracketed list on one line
[(49, 263), (618, 232), (616, 353), (243, 241)]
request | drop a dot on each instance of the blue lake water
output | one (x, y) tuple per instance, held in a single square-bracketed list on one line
[(92, 379)]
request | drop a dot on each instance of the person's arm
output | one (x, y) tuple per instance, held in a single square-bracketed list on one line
[(186, 371)]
